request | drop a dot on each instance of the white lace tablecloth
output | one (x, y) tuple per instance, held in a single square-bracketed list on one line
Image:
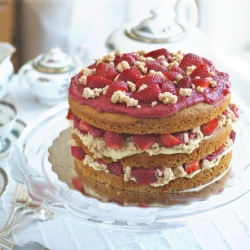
[(225, 228)]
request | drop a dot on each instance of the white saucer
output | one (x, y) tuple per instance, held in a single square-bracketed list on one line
[(13, 136), (3, 181)]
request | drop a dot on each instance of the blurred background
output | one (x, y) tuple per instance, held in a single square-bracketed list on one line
[(36, 26)]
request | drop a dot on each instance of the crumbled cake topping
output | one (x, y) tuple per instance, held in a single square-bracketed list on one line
[(122, 66), (89, 93), (185, 92), (141, 66), (167, 97), (88, 72), (121, 97)]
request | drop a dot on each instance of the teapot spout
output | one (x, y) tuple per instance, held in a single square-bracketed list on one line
[(6, 50)]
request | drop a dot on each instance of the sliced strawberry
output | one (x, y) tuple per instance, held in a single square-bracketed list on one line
[(202, 70), (169, 140), (115, 168), (70, 115), (191, 166), (215, 153), (171, 75), (97, 82), (190, 60), (232, 135), (92, 66), (82, 125), (159, 52), (76, 121), (148, 80), (100, 161), (202, 82), (144, 141), (113, 140), (132, 74), (107, 71), (156, 66), (178, 70), (210, 127), (77, 152), (185, 82), (95, 132), (235, 110), (180, 136), (191, 135), (149, 94), (168, 86), (144, 176), (143, 204), (77, 184), (128, 57), (207, 62), (115, 86)]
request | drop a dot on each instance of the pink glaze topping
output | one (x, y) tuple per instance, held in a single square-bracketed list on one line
[(188, 79)]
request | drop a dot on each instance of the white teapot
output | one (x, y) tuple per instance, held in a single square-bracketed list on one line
[(49, 74), (6, 67), (171, 26)]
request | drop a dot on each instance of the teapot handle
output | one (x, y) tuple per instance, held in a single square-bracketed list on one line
[(23, 74), (187, 12)]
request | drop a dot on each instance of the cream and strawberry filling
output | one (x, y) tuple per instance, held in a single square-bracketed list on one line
[(117, 146), (157, 176), (149, 85)]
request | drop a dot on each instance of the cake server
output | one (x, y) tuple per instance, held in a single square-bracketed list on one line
[(32, 245)]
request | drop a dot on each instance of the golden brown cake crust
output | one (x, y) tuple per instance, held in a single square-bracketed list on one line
[(205, 148), (184, 120), (179, 184)]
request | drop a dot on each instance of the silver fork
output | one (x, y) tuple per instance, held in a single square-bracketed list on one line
[(21, 200)]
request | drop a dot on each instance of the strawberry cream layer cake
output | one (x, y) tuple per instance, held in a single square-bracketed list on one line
[(151, 121)]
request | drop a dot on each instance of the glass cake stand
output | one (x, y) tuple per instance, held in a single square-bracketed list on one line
[(30, 166)]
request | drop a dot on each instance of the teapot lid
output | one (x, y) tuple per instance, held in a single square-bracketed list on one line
[(160, 28), (55, 61)]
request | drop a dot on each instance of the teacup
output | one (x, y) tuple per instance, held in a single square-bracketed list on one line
[(8, 116)]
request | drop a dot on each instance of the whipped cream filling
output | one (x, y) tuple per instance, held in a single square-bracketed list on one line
[(167, 174), (99, 149)]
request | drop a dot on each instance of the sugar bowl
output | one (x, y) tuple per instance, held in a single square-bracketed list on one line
[(48, 75)]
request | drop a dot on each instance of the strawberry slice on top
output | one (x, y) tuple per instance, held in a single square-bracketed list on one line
[(156, 66), (132, 74), (159, 52), (202, 82), (106, 70), (190, 60), (168, 86), (202, 70), (130, 58), (149, 94), (97, 82), (148, 80), (115, 86)]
